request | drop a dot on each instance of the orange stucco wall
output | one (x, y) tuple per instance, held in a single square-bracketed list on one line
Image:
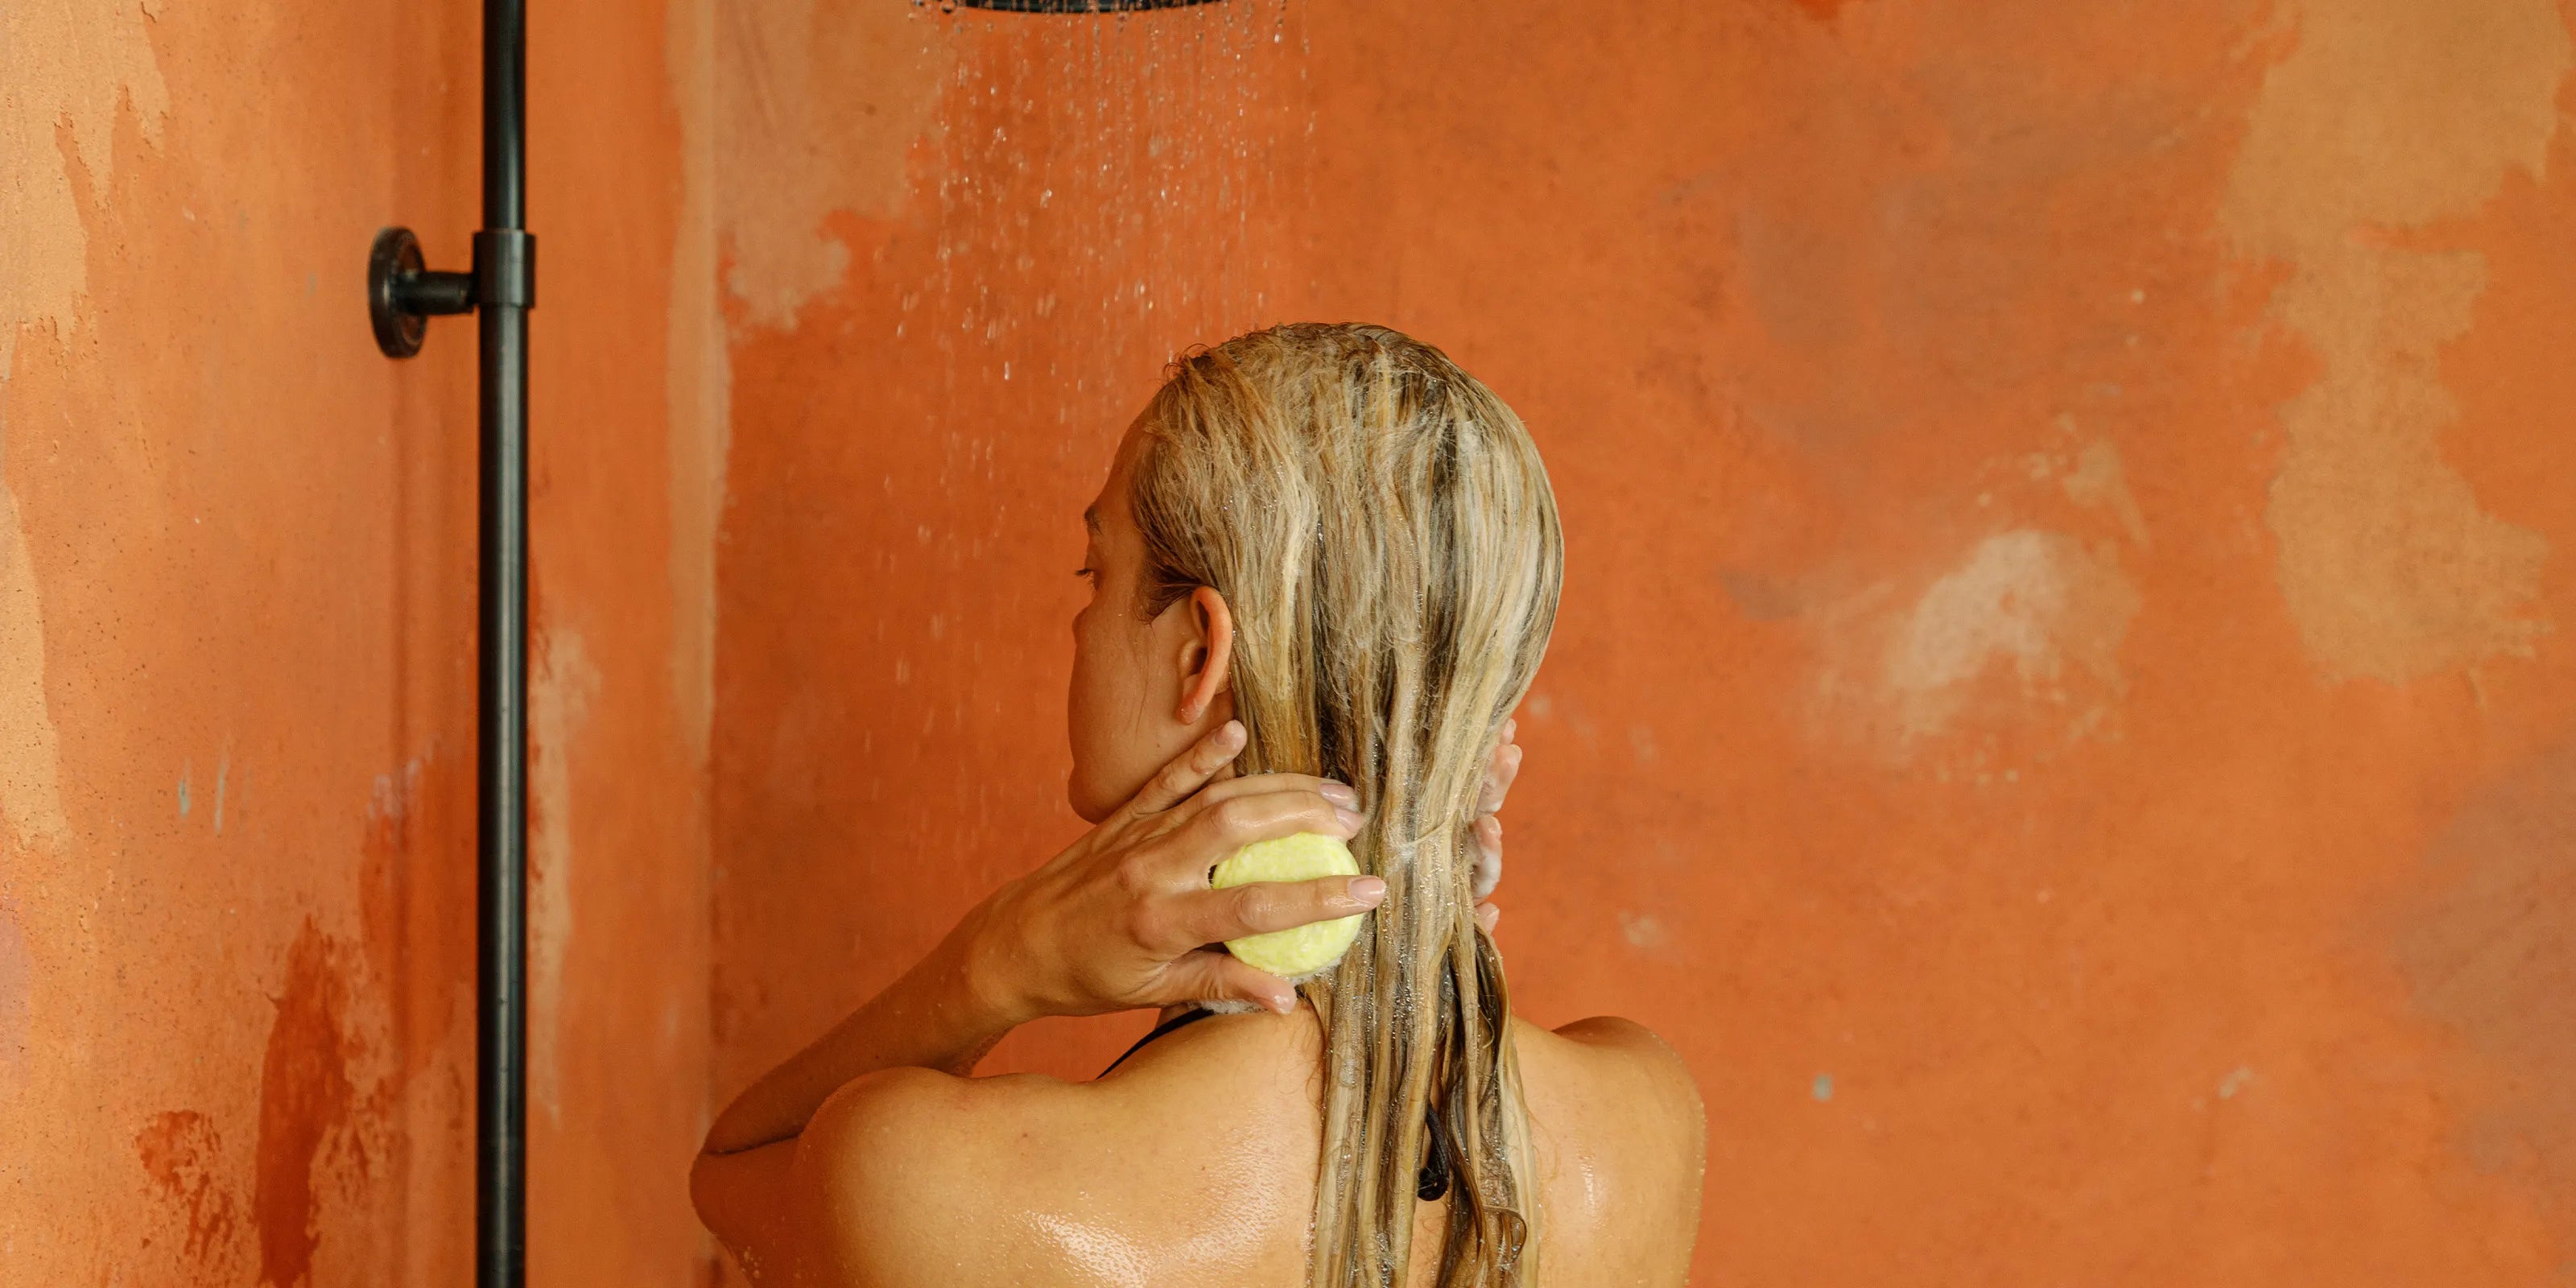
[(237, 650), (2063, 711)]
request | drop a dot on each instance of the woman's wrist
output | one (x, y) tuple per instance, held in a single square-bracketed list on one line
[(989, 969)]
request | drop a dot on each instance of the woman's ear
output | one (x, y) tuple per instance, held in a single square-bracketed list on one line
[(1207, 662)]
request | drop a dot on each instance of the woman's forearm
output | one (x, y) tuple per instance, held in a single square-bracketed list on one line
[(939, 1015)]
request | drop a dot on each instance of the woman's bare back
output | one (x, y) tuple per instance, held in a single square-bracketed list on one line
[(1195, 1162)]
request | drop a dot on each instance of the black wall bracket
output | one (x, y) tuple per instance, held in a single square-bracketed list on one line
[(403, 293)]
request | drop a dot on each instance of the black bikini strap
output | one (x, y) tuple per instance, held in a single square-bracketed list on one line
[(1182, 1020)]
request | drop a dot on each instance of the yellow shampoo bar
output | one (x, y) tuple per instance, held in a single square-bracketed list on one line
[(1308, 950)]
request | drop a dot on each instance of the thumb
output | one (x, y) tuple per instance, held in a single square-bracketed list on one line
[(1213, 975)]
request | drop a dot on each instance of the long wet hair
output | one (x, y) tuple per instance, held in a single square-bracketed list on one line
[(1383, 531)]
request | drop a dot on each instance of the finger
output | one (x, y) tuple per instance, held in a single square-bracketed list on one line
[(1259, 784), (1187, 853), (1259, 907), (1488, 916), (1216, 793), (1488, 869), (1209, 975), (1499, 773), (1189, 771)]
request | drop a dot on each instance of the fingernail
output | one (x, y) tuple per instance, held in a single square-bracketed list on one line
[(1510, 727), (1283, 1005), (1231, 735), (1367, 890), (1350, 818), (1339, 795)]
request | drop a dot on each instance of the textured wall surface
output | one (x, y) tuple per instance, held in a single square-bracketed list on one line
[(2064, 708), (237, 650)]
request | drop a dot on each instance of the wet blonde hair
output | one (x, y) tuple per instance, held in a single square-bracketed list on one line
[(1383, 531)]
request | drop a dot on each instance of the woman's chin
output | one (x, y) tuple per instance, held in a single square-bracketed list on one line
[(1100, 784), (1086, 800)]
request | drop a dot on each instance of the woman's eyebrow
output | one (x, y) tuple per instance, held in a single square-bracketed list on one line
[(1091, 519)]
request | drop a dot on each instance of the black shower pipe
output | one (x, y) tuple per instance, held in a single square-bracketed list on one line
[(401, 294)]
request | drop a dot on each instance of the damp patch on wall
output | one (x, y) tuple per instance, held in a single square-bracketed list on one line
[(816, 112), (2389, 115), (2486, 939), (2022, 632), (70, 67), (31, 794), (560, 691)]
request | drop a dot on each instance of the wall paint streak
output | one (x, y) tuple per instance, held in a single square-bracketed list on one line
[(824, 105), (694, 394), (71, 66), (184, 1155), (31, 791), (2388, 117), (305, 1098), (561, 689)]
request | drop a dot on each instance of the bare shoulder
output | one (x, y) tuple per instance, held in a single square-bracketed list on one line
[(1194, 1163), (882, 1166), (1615, 1055), (1619, 1140)]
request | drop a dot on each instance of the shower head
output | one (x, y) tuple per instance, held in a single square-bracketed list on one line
[(1076, 6)]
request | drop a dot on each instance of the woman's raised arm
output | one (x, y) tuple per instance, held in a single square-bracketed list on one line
[(1122, 919)]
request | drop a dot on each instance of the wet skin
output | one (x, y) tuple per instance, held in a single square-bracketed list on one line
[(872, 1158)]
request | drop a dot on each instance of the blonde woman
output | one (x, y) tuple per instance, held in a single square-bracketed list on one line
[(1323, 570)]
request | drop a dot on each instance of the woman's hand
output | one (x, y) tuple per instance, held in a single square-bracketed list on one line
[(1499, 773), (1124, 918)]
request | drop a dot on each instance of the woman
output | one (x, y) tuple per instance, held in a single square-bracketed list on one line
[(1323, 570)]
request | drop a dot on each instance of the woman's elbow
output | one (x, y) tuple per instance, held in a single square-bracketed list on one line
[(705, 1194), (837, 1194), (748, 1201)]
